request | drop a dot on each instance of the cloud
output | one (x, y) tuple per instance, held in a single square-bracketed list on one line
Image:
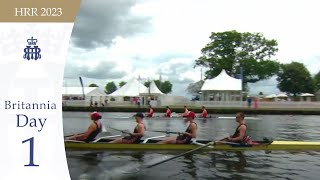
[(268, 86), (150, 37), (103, 70), (99, 22)]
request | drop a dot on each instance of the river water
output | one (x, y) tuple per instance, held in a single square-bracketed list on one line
[(101, 165)]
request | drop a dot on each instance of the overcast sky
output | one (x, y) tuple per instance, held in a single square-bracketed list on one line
[(115, 40)]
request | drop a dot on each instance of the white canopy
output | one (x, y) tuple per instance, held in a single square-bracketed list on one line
[(88, 91), (153, 89), (282, 95), (306, 95), (132, 88), (222, 82), (271, 96)]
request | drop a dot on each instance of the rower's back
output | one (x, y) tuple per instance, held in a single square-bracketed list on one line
[(94, 133)]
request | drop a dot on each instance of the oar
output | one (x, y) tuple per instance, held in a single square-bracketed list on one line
[(123, 131), (179, 155), (72, 135), (167, 132)]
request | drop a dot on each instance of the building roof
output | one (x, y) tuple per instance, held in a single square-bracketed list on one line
[(132, 88), (222, 82)]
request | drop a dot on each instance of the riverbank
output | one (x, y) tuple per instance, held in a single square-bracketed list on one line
[(278, 111)]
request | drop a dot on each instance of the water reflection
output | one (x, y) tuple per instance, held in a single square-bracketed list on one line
[(233, 161)]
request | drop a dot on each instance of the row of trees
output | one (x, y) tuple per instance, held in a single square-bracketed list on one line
[(253, 53), (164, 86)]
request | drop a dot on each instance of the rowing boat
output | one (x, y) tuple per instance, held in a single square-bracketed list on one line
[(101, 144)]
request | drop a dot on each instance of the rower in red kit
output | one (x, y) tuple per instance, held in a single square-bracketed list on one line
[(186, 112), (204, 113), (184, 137), (240, 134), (93, 130), (151, 111), (168, 112), (137, 134)]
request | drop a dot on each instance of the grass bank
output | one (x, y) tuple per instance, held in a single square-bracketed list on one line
[(196, 109)]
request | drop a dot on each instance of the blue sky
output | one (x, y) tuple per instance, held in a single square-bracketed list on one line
[(115, 40)]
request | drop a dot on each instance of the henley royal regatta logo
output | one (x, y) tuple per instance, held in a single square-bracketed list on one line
[(32, 51)]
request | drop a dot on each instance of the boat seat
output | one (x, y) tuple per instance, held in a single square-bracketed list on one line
[(74, 141), (106, 137), (156, 137)]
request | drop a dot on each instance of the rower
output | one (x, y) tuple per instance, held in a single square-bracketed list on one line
[(93, 130), (186, 112), (240, 134), (204, 113), (184, 137), (137, 134), (151, 111), (168, 112)]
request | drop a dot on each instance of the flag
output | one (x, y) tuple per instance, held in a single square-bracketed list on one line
[(81, 82)]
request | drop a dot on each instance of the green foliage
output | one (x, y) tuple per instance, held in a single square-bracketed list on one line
[(110, 87), (165, 87), (122, 83), (231, 50), (147, 83), (93, 85), (317, 81), (295, 78), (195, 88)]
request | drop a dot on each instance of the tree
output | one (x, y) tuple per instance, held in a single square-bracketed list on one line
[(147, 83), (295, 78), (93, 85), (122, 83), (110, 87), (195, 88), (165, 87), (317, 81), (231, 50), (260, 93)]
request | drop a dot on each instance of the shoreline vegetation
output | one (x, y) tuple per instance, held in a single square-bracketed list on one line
[(178, 109)]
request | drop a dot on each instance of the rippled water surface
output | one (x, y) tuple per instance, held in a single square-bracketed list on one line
[(99, 165)]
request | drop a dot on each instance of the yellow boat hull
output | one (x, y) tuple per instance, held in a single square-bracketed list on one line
[(275, 145)]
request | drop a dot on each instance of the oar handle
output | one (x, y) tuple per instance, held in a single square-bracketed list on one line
[(167, 132), (72, 135), (123, 131)]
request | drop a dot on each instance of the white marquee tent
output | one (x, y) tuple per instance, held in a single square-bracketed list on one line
[(153, 93), (131, 89), (73, 96), (222, 88), (282, 95), (153, 90), (77, 91)]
